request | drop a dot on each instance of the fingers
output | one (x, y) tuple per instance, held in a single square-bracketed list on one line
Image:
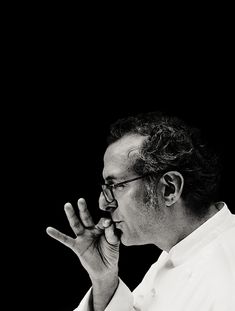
[(103, 223), (109, 229), (85, 214), (110, 235), (61, 237), (74, 222), (78, 225)]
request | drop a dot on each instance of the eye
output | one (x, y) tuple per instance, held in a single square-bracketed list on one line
[(119, 186)]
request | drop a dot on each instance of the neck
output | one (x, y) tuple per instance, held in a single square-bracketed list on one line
[(184, 224)]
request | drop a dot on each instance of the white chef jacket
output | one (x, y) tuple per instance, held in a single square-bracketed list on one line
[(198, 274)]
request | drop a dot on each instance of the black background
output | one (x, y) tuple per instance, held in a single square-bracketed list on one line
[(67, 84)]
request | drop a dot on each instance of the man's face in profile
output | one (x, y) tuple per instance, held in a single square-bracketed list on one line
[(138, 222)]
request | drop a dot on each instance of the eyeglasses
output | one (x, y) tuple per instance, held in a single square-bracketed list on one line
[(108, 190)]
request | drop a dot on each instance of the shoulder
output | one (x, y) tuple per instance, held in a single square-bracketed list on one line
[(221, 263)]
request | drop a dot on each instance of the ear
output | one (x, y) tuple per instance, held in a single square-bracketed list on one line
[(172, 183)]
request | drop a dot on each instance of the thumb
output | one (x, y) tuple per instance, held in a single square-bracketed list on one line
[(111, 236)]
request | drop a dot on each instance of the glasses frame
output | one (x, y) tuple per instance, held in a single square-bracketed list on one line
[(113, 186)]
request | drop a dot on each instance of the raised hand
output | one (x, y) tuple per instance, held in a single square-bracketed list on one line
[(97, 246)]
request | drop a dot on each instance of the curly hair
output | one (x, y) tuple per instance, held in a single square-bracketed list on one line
[(171, 144)]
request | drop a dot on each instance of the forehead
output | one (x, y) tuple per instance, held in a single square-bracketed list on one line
[(119, 155)]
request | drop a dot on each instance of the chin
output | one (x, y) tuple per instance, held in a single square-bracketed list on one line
[(132, 241), (128, 241)]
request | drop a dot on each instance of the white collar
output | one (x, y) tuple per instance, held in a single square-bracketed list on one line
[(200, 237)]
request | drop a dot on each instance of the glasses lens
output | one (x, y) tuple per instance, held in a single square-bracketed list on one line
[(107, 193)]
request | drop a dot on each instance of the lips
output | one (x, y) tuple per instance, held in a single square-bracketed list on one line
[(117, 222)]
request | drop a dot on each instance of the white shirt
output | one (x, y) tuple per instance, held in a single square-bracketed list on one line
[(198, 274)]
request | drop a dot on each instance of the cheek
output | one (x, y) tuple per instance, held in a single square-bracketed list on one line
[(133, 207), (138, 194), (138, 208)]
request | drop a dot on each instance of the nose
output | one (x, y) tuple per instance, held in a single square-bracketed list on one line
[(105, 206)]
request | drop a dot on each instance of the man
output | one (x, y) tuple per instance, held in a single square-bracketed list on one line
[(160, 188)]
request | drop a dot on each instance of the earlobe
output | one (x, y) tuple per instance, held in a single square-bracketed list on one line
[(173, 185)]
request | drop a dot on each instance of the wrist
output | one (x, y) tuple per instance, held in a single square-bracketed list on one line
[(104, 276), (103, 290)]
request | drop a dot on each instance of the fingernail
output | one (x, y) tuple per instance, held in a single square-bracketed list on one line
[(107, 222)]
